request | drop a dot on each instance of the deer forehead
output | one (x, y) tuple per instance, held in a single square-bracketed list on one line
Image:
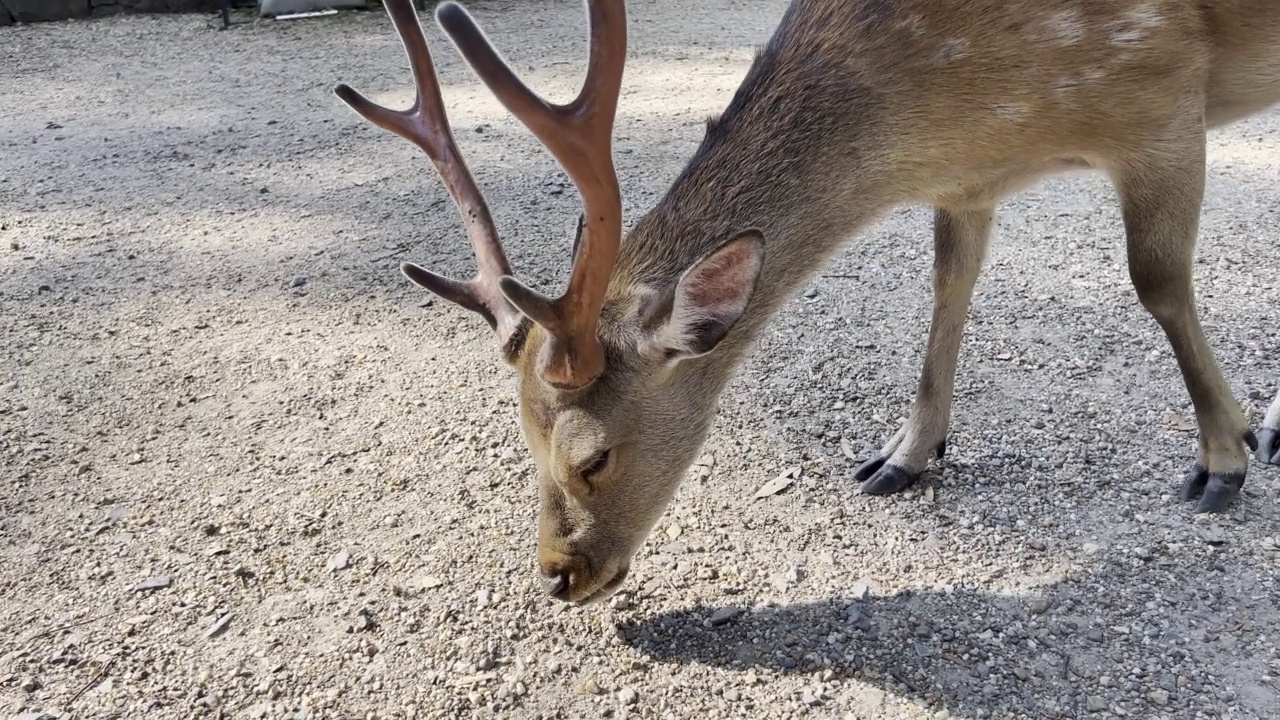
[(577, 436)]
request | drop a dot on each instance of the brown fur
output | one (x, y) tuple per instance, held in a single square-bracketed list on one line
[(852, 108)]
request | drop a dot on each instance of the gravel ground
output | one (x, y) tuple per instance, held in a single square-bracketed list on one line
[(249, 471)]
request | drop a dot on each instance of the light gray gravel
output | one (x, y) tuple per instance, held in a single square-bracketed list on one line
[(213, 373)]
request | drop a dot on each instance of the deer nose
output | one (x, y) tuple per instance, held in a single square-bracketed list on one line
[(556, 585)]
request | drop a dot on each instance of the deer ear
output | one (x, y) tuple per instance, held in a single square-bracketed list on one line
[(709, 298)]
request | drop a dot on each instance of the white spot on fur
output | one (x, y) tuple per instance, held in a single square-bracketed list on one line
[(951, 50), (1145, 16), (1136, 25), (1065, 85), (1010, 111), (914, 24), (1128, 36), (1064, 28)]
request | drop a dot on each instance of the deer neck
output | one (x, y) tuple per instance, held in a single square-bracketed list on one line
[(765, 164)]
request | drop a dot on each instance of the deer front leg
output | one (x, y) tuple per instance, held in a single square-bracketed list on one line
[(1161, 201), (959, 245), (1269, 435)]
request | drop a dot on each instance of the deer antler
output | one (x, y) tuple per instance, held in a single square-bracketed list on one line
[(579, 135), (426, 125)]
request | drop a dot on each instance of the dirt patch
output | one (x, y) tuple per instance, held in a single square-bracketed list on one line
[(250, 471)]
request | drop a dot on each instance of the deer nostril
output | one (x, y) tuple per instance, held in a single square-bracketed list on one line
[(557, 584)]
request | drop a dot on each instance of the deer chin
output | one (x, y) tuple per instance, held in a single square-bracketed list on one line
[(604, 591)]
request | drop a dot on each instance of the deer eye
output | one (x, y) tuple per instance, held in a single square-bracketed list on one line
[(593, 466)]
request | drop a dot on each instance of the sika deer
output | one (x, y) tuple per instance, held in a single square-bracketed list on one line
[(1269, 435), (853, 107)]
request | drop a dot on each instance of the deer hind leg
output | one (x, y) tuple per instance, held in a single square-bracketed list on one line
[(1269, 435), (959, 245), (1160, 201)]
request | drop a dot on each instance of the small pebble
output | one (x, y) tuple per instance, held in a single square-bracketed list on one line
[(722, 616), (219, 626), (158, 582), (1214, 535), (340, 561)]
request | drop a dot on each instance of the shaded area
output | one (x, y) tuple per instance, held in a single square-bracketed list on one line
[(1047, 653)]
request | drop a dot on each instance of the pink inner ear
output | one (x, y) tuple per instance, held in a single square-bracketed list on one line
[(721, 282)]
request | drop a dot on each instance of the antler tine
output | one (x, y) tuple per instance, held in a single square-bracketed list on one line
[(579, 135), (426, 125)]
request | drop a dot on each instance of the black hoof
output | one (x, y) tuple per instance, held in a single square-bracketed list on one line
[(868, 468), (888, 479), (1215, 490), (1269, 446)]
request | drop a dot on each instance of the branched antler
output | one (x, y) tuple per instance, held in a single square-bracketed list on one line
[(426, 125), (579, 135)]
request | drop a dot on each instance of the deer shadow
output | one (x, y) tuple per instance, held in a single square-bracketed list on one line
[(1057, 653)]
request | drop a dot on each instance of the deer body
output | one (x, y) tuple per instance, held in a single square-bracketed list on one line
[(853, 108), (1269, 435)]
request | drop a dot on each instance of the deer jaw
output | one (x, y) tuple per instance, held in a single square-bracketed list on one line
[(611, 456)]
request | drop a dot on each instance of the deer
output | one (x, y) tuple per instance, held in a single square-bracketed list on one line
[(850, 109), (1269, 436)]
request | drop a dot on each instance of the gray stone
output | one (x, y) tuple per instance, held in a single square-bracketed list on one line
[(723, 615), (1096, 704), (1214, 535), (219, 626), (159, 582), (341, 560)]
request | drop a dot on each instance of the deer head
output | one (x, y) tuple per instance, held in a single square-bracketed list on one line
[(618, 378)]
